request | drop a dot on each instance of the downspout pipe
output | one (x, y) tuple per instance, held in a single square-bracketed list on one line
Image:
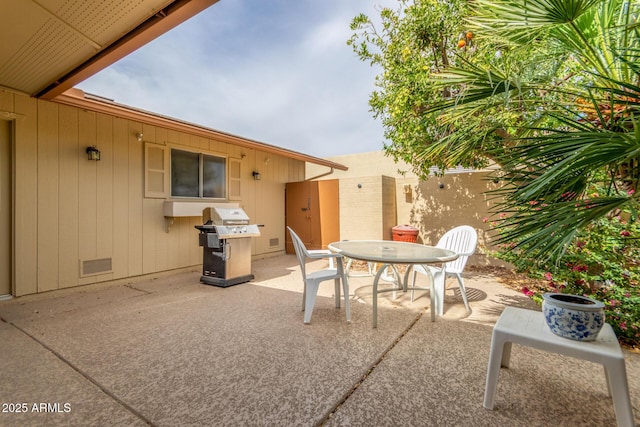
[(321, 175)]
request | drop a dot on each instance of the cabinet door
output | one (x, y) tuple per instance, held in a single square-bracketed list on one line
[(297, 211), (329, 214), (312, 211)]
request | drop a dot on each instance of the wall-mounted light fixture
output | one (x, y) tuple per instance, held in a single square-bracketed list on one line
[(256, 175), (93, 153), (139, 136), (408, 192)]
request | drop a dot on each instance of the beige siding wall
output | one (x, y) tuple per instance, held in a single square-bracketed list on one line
[(68, 209)]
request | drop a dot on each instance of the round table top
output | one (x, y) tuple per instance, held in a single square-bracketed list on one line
[(392, 252)]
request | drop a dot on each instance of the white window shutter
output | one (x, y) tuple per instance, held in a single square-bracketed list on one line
[(234, 179), (156, 171)]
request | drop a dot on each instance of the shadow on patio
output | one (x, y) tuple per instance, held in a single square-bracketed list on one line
[(171, 351)]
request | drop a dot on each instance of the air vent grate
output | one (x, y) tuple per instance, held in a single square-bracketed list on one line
[(91, 267), (274, 242)]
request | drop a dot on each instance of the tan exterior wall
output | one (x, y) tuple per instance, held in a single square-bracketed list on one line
[(367, 208), (389, 207), (463, 200), (67, 209), (363, 164), (368, 212)]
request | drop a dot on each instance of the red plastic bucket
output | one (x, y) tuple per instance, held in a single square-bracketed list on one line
[(405, 233)]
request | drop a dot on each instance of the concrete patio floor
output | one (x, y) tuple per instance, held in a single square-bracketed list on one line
[(170, 351)]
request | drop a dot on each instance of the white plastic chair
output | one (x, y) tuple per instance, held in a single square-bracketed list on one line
[(312, 280), (462, 240)]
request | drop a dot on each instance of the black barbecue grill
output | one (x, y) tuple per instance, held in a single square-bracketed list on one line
[(226, 240)]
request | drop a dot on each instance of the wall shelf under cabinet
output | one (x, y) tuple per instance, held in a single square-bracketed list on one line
[(179, 209)]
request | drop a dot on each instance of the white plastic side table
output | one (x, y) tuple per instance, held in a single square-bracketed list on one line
[(528, 327)]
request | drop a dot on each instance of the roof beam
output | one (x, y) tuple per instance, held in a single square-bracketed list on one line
[(77, 98), (171, 16)]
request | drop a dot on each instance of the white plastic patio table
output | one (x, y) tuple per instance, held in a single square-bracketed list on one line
[(528, 327), (389, 253)]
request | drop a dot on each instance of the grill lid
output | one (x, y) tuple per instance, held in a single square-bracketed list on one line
[(225, 216), (230, 231)]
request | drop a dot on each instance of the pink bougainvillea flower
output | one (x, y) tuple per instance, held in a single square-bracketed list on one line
[(580, 244), (623, 325), (631, 192), (528, 292), (625, 233), (548, 276), (485, 219)]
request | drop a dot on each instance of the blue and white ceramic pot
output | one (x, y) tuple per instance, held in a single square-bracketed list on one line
[(573, 316)]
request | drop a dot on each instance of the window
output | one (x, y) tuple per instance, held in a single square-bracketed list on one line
[(197, 175)]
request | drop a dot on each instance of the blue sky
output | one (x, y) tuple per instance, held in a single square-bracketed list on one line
[(276, 71)]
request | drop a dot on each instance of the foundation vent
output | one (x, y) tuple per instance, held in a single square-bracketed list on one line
[(274, 242), (91, 267)]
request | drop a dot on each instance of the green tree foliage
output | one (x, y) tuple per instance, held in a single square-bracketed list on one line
[(547, 89), (412, 43)]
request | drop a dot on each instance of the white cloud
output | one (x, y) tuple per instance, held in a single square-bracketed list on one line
[(278, 72)]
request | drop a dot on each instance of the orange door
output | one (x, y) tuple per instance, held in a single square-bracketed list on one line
[(297, 210), (312, 212), (329, 213)]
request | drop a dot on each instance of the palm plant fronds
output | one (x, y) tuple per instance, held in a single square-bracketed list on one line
[(548, 229)]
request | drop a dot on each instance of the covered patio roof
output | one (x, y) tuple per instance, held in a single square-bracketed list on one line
[(51, 45)]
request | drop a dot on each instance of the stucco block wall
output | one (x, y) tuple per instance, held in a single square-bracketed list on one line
[(67, 209), (463, 200), (367, 207), (367, 212), (389, 207)]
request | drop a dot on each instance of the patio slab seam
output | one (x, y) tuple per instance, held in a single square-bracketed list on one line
[(371, 369), (81, 373), (191, 354)]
